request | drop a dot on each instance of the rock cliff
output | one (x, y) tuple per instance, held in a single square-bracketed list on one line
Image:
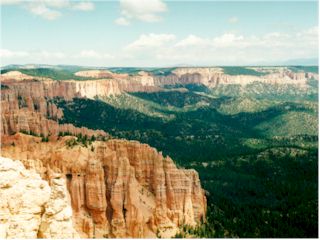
[(212, 77), (26, 106), (118, 188), (30, 207)]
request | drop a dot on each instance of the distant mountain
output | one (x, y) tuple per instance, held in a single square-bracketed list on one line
[(302, 61), (290, 62)]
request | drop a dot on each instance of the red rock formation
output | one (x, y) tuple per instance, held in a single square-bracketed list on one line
[(120, 189), (25, 106), (212, 77)]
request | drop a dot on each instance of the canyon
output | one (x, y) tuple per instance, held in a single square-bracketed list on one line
[(111, 188), (118, 188), (26, 101), (93, 186)]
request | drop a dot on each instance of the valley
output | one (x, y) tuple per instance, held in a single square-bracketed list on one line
[(251, 134)]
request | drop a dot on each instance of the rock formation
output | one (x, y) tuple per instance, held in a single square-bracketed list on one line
[(30, 207), (100, 74), (26, 106), (212, 77), (118, 188)]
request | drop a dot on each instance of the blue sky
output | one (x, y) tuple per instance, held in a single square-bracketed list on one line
[(157, 33)]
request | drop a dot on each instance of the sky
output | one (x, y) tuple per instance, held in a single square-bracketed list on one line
[(157, 33)]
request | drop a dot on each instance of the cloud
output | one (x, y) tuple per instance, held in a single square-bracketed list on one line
[(150, 41), (93, 54), (166, 49), (233, 20), (39, 55), (50, 9), (192, 40), (225, 49), (9, 2), (48, 55), (227, 40), (142, 10), (84, 57), (84, 6), (122, 21), (43, 11), (5, 53)]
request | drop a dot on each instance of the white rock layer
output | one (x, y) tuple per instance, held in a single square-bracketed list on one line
[(29, 207)]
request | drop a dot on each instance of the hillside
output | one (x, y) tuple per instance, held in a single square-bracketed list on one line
[(250, 132)]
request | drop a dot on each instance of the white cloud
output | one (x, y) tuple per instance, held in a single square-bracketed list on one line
[(9, 2), (166, 49), (233, 20), (54, 3), (122, 21), (5, 53), (51, 9), (192, 40), (84, 6), (93, 54), (150, 41), (48, 54), (227, 48), (43, 11), (85, 57), (227, 40), (143, 10)]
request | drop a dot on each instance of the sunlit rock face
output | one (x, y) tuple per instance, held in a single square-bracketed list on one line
[(212, 77), (31, 207), (118, 188), (26, 106)]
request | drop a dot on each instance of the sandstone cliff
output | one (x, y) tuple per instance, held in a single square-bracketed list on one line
[(26, 106), (118, 188), (100, 74), (212, 77), (30, 207), (68, 89)]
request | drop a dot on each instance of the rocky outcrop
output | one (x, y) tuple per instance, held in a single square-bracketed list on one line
[(212, 77), (68, 89), (107, 83), (101, 74), (30, 207), (23, 120), (15, 75), (26, 106), (118, 188)]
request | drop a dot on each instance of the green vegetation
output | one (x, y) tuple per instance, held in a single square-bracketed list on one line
[(173, 98), (312, 69), (80, 139), (256, 150), (241, 71), (269, 92), (55, 74), (246, 104), (133, 70), (191, 87), (291, 124), (43, 138), (3, 86), (272, 193), (29, 133)]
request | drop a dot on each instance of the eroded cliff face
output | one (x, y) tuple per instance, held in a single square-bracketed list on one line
[(26, 101), (26, 106), (212, 77), (114, 84), (31, 207), (118, 188)]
